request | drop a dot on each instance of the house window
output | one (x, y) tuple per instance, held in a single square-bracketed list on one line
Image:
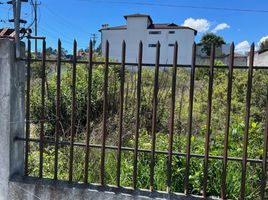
[(152, 45), (171, 45), (154, 32), (171, 32)]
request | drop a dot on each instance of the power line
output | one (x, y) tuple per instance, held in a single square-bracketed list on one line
[(64, 39), (181, 6), (63, 20)]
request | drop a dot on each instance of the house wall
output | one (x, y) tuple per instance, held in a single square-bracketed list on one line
[(137, 31), (185, 39), (115, 39)]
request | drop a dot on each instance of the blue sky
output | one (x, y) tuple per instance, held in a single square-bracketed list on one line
[(69, 19)]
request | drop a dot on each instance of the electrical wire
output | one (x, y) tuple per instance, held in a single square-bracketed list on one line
[(65, 39), (180, 6), (63, 20)]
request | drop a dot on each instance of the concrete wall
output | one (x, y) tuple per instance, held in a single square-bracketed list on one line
[(35, 189), (260, 59), (12, 75), (238, 61)]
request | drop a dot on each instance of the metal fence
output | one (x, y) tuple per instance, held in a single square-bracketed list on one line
[(188, 155)]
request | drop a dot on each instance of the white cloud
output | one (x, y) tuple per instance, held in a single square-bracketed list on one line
[(242, 47), (221, 27), (201, 25), (263, 39)]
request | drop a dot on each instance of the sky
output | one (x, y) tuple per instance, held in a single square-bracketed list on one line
[(78, 19)]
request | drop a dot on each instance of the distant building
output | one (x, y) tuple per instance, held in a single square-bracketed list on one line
[(141, 28)]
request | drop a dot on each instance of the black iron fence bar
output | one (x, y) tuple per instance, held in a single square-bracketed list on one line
[(105, 108), (121, 114), (43, 77), (73, 115), (227, 126), (190, 120), (172, 111), (208, 124), (146, 64), (27, 127), (160, 152), (58, 116), (137, 128), (153, 151), (247, 115), (264, 161), (90, 66), (154, 116)]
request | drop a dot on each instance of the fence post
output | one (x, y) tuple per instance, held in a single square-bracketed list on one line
[(12, 74)]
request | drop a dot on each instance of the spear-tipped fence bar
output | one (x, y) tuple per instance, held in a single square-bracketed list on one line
[(154, 125), (227, 126), (137, 128), (208, 124), (246, 132), (42, 141), (90, 66), (73, 114), (190, 121), (105, 112), (58, 115), (121, 114), (43, 77), (172, 113)]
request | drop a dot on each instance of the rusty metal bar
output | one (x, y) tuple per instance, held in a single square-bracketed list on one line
[(43, 81), (264, 159), (227, 126), (208, 125), (245, 143), (28, 88), (58, 107), (147, 64), (137, 128), (121, 114), (190, 120), (155, 101), (66, 143), (105, 112), (172, 111), (90, 66), (73, 116)]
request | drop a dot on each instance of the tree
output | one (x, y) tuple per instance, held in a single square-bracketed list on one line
[(208, 39), (264, 45)]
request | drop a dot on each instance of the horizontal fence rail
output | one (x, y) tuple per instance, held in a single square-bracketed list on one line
[(71, 143)]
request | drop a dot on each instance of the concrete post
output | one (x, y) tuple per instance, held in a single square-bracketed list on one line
[(12, 77)]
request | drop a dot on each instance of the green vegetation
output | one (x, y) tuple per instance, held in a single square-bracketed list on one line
[(257, 120), (264, 45), (208, 39)]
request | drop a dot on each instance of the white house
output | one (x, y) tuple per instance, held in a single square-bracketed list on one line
[(140, 27)]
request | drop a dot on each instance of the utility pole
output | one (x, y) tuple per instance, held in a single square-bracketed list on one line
[(35, 24), (35, 27), (93, 38)]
